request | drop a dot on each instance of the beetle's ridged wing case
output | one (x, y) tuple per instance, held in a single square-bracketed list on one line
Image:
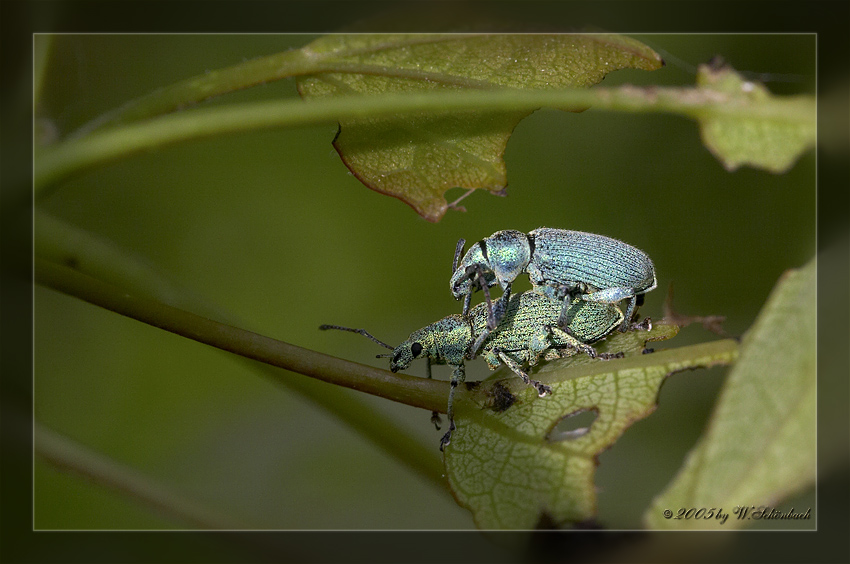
[(593, 321), (562, 256), (530, 312)]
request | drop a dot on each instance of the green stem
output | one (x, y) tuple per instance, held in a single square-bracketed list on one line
[(199, 88), (74, 155), (262, 70), (65, 454), (58, 242), (410, 390)]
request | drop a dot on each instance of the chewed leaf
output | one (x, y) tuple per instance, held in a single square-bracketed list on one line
[(417, 158), (774, 132), (761, 445), (518, 461)]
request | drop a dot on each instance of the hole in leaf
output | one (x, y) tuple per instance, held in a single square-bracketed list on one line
[(572, 426)]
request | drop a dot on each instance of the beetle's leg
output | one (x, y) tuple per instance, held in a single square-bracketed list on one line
[(499, 310), (571, 341), (609, 295), (466, 301), (501, 306), (473, 352), (582, 347), (476, 274), (542, 389), (630, 319), (630, 311), (435, 417), (491, 318), (565, 317), (458, 376), (566, 292), (645, 325)]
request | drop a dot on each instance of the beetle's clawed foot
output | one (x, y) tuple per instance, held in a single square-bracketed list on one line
[(609, 356), (542, 389), (645, 325), (447, 438)]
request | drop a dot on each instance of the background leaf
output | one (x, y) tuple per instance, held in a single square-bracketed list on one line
[(761, 444), (418, 158), (773, 135), (514, 468)]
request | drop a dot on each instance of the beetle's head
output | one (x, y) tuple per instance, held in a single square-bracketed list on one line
[(499, 259), (465, 279), (443, 342), (404, 354)]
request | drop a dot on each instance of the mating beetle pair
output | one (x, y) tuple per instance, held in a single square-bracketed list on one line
[(559, 263), (578, 279), (528, 331)]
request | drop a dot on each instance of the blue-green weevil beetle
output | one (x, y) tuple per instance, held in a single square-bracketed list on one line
[(559, 263), (528, 331)]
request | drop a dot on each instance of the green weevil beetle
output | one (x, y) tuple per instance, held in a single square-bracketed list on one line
[(559, 263), (527, 332)]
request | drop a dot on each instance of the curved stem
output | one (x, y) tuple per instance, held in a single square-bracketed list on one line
[(410, 390), (262, 70), (72, 156), (66, 454), (61, 243)]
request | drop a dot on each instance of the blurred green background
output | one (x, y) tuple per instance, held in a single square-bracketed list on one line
[(272, 227)]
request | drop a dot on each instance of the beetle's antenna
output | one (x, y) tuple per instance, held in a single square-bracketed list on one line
[(388, 355), (458, 251), (361, 331)]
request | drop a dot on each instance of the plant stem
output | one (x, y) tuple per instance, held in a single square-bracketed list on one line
[(199, 88), (410, 390), (72, 156), (262, 70), (58, 242), (65, 454)]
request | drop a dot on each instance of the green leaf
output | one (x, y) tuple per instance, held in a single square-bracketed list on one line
[(772, 133), (760, 446), (512, 464), (417, 158)]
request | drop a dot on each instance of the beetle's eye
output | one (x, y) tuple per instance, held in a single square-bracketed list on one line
[(415, 349)]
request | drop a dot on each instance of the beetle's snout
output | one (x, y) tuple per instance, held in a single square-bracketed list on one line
[(459, 286)]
